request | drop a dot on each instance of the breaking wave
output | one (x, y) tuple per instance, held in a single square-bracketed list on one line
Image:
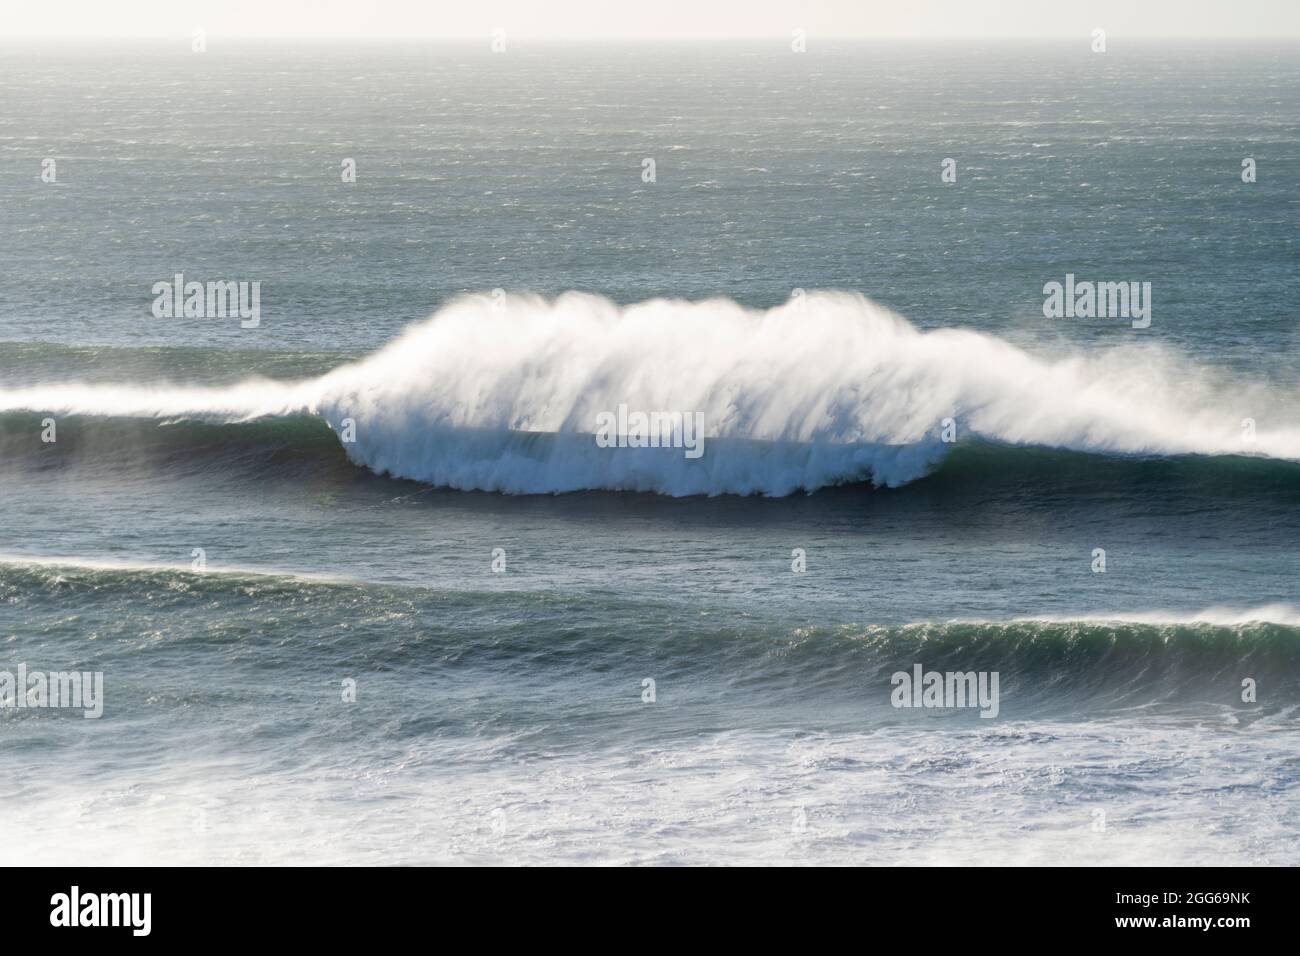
[(830, 390)]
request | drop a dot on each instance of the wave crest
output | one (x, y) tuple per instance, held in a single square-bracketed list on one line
[(828, 389)]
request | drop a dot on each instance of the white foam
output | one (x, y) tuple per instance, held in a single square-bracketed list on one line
[(1279, 613), (77, 563), (838, 390)]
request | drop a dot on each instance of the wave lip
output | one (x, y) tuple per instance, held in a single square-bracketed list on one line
[(127, 566), (830, 390), (1219, 616)]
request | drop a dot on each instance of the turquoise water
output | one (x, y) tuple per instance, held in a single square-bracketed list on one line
[(499, 589)]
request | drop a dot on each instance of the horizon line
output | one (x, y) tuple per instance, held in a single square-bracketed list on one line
[(637, 38)]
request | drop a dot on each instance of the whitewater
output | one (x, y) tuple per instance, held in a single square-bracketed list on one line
[(830, 388)]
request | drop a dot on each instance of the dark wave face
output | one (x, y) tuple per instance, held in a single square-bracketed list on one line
[(272, 449), (287, 448), (99, 442)]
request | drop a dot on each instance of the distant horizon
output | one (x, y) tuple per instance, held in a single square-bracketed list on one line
[(668, 19), (554, 40)]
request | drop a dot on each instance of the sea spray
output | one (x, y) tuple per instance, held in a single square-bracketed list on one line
[(505, 397)]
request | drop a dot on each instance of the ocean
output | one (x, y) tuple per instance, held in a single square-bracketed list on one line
[(364, 587)]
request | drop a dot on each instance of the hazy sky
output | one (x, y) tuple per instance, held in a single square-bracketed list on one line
[(553, 19)]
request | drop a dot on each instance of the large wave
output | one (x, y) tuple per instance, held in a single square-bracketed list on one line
[(504, 395)]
